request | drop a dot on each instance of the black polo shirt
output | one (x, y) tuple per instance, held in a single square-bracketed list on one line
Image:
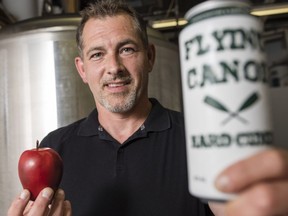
[(145, 176)]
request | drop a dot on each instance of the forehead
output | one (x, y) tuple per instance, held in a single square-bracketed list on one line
[(119, 24)]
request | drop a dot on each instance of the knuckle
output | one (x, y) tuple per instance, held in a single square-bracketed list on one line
[(15, 207), (265, 199), (41, 203), (279, 161)]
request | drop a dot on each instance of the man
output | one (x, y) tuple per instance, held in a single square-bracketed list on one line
[(128, 157)]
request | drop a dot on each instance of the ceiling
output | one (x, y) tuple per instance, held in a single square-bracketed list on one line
[(159, 8), (165, 9), (151, 10)]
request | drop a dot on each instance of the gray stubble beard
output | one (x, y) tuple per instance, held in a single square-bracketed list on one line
[(128, 104)]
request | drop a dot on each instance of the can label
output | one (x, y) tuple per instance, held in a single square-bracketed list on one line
[(225, 94)]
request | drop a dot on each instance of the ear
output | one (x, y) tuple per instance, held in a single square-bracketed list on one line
[(151, 56), (80, 68)]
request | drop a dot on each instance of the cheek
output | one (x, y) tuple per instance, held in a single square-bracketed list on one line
[(138, 74), (93, 80), (136, 66), (95, 88), (93, 73), (142, 78)]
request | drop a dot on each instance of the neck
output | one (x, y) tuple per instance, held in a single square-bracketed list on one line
[(122, 125)]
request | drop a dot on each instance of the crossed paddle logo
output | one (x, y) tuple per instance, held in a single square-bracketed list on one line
[(251, 100)]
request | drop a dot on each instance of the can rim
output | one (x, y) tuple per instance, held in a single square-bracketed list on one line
[(213, 4)]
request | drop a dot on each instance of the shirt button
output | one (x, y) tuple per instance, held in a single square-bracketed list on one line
[(121, 150)]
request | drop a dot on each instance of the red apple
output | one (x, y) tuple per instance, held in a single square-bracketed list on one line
[(39, 168)]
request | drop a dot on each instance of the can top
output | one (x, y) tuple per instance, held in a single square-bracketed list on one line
[(213, 4)]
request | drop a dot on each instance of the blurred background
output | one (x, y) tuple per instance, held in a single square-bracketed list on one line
[(41, 90)]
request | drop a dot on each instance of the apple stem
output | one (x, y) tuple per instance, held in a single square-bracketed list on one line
[(37, 144)]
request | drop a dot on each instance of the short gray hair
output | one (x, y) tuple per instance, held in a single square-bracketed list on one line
[(109, 8)]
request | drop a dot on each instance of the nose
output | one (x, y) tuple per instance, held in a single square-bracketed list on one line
[(114, 65)]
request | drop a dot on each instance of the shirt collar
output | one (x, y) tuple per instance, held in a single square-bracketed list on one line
[(90, 126), (157, 120)]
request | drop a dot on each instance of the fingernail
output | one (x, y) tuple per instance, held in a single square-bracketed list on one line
[(24, 195), (60, 193), (67, 206), (223, 183), (47, 193), (218, 208)]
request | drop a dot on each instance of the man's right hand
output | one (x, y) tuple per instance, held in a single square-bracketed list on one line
[(41, 206)]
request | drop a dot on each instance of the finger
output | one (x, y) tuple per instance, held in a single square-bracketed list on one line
[(267, 165), (18, 205), (28, 207), (263, 199), (57, 207), (218, 208), (40, 206), (67, 208)]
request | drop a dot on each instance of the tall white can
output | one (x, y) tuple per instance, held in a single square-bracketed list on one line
[(225, 91)]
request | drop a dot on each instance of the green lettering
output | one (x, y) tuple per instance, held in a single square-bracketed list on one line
[(200, 46), (254, 139), (237, 39), (229, 71), (208, 75), (191, 79), (219, 36), (211, 140), (254, 71), (253, 39)]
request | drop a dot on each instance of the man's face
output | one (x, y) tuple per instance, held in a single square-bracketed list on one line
[(115, 63)]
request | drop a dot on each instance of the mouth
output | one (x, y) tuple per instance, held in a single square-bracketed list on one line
[(117, 85)]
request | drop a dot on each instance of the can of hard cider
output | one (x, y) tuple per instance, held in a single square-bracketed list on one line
[(225, 91)]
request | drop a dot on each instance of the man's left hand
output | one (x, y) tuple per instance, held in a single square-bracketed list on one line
[(261, 184)]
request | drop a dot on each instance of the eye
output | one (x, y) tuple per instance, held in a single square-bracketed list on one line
[(97, 56), (127, 51)]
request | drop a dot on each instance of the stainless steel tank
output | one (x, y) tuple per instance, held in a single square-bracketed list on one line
[(41, 89)]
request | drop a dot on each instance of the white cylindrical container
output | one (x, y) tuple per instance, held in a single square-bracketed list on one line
[(225, 91)]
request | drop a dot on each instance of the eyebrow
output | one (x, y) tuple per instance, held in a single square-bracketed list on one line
[(93, 49), (127, 41)]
